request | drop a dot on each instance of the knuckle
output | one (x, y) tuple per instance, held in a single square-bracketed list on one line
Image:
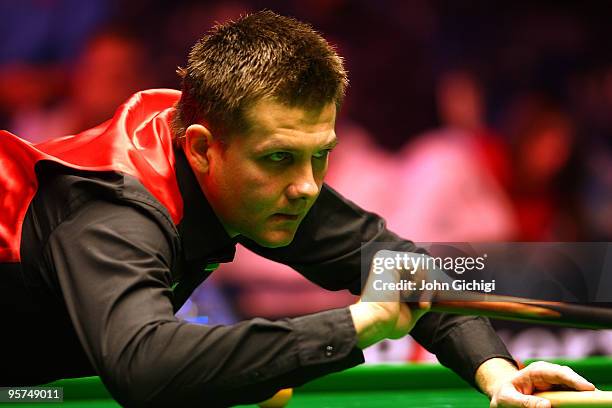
[(526, 403), (539, 364)]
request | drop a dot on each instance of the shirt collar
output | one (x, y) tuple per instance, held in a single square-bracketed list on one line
[(202, 234)]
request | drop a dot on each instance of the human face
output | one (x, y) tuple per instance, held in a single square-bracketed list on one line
[(262, 183)]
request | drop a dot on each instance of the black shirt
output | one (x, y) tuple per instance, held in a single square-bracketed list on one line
[(104, 269)]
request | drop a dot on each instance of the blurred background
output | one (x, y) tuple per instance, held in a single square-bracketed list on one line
[(464, 121)]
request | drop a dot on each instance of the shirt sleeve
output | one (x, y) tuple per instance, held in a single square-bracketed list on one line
[(113, 266), (328, 250)]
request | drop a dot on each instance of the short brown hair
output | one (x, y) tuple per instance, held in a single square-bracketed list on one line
[(261, 55)]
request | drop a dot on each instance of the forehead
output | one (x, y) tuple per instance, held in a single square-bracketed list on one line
[(272, 120)]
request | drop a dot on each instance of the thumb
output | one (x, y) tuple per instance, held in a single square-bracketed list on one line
[(421, 309), (514, 398), (531, 401), (424, 306)]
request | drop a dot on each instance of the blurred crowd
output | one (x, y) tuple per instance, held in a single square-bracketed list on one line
[(464, 121)]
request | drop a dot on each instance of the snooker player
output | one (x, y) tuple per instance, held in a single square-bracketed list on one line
[(104, 235)]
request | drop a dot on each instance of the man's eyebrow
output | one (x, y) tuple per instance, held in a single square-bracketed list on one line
[(281, 144)]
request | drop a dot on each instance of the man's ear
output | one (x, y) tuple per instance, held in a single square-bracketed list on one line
[(198, 140)]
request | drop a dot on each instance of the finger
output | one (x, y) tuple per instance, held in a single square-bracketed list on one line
[(510, 397), (425, 306), (405, 322), (419, 307), (405, 316), (425, 299), (382, 287), (544, 373), (534, 402), (407, 319)]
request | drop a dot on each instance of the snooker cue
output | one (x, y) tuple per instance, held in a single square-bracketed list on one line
[(526, 310)]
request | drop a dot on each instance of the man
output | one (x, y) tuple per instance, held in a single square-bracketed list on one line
[(105, 234)]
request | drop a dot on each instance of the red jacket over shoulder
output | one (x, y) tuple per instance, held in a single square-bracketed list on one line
[(136, 141)]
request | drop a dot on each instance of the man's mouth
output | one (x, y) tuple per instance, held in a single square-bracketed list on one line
[(285, 217)]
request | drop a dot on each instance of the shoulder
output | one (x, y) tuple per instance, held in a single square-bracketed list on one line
[(98, 198)]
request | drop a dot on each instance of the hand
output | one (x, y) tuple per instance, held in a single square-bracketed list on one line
[(515, 390), (385, 318), (376, 321)]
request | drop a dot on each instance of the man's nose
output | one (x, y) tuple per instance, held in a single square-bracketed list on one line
[(303, 186)]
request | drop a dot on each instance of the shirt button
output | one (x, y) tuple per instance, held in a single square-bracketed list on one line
[(329, 351)]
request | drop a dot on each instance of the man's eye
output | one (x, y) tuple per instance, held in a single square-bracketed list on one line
[(279, 156), (322, 154)]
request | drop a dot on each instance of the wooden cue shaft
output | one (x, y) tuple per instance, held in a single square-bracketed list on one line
[(521, 309), (577, 398)]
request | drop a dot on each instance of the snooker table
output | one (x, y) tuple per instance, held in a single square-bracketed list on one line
[(367, 386)]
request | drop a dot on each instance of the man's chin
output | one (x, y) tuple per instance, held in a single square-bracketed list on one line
[(275, 240)]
